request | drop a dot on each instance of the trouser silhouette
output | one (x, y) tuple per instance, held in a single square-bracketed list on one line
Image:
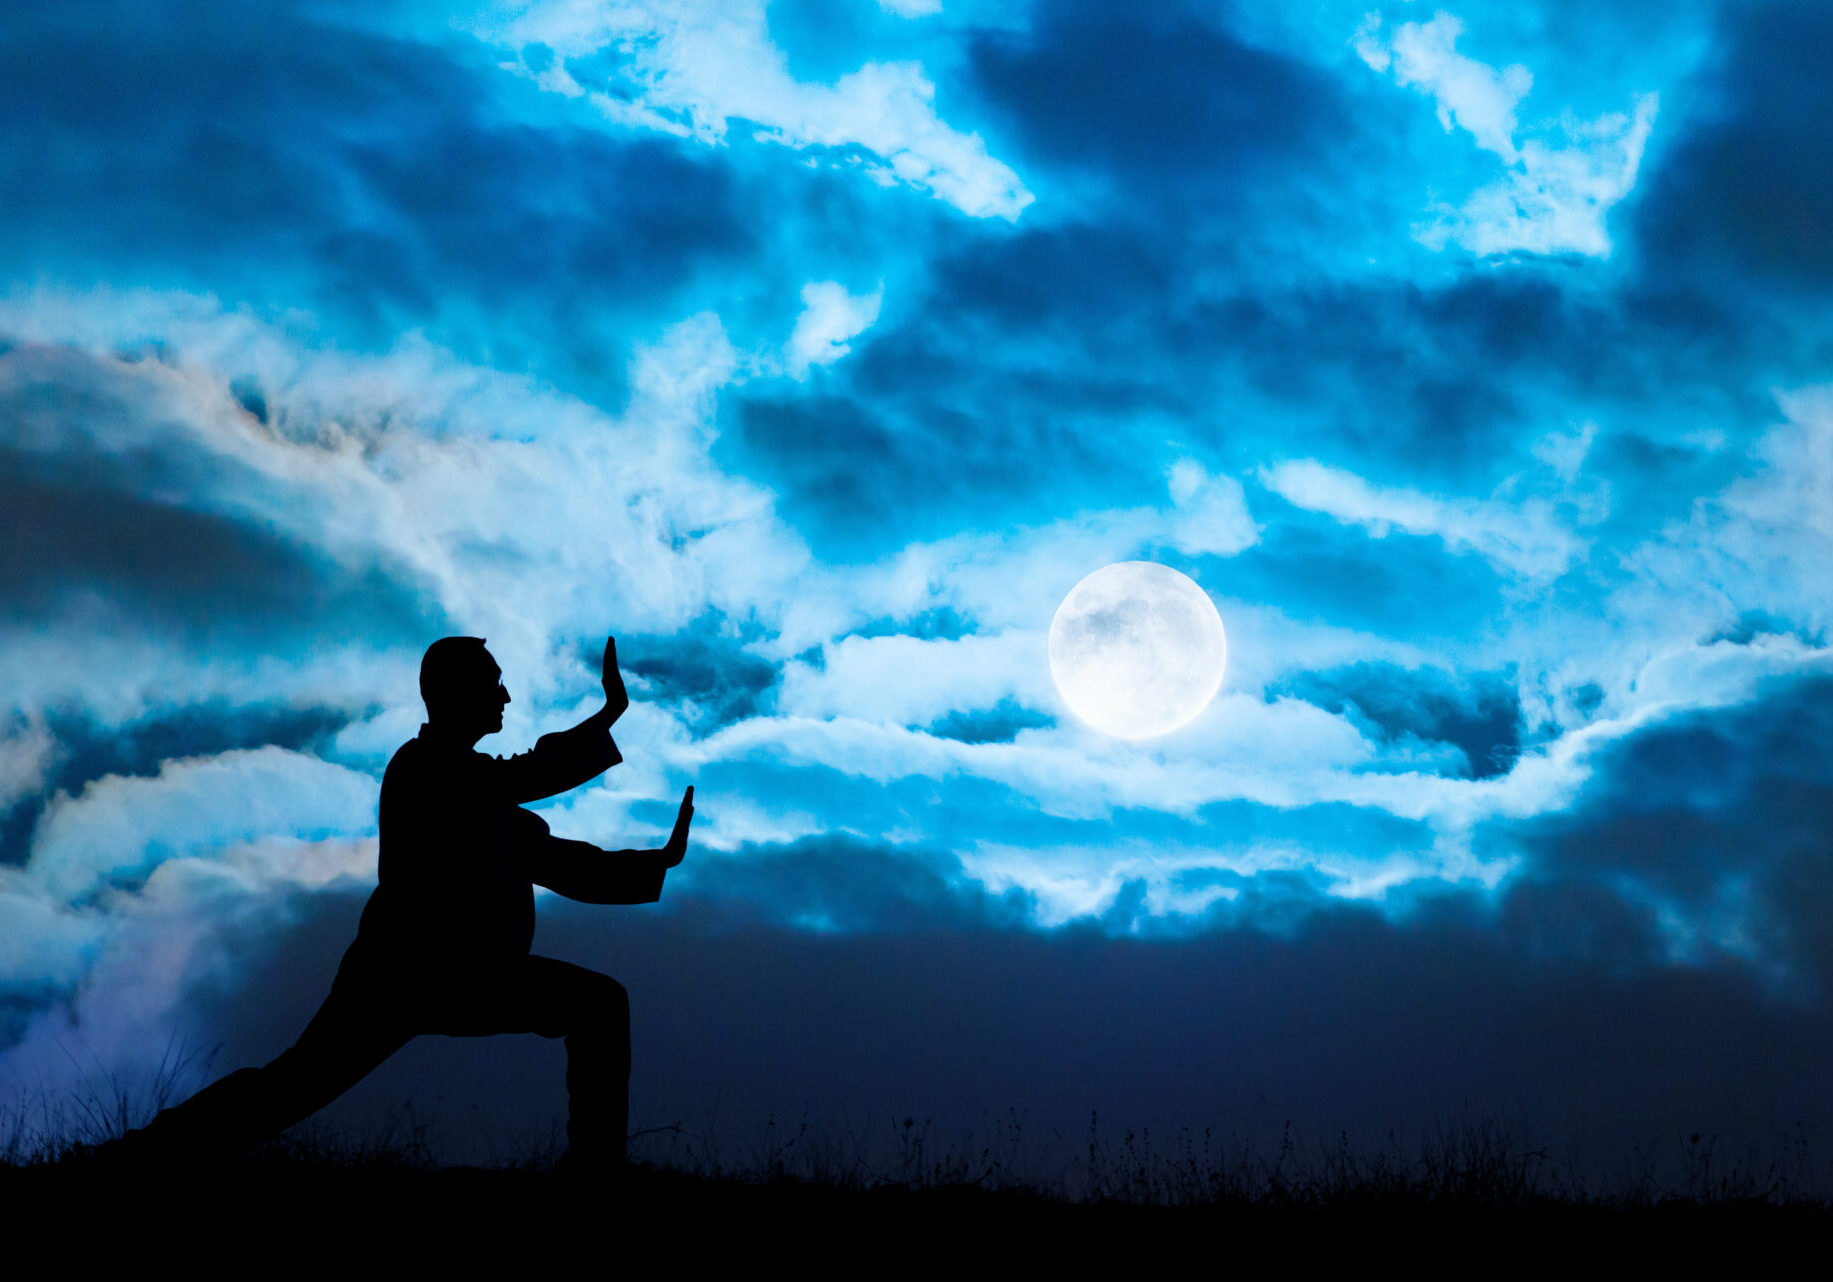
[(373, 1012)]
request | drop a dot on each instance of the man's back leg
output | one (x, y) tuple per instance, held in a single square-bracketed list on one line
[(344, 1042)]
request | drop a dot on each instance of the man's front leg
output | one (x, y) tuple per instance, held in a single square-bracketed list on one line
[(598, 1079)]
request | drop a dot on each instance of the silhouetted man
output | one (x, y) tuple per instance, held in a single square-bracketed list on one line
[(443, 943)]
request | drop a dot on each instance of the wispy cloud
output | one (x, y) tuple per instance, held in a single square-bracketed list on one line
[(1559, 184), (831, 318), (696, 69), (1522, 539)]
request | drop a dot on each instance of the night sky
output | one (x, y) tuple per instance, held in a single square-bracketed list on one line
[(1477, 362)]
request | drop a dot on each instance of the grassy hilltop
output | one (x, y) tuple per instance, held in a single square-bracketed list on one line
[(802, 1189)]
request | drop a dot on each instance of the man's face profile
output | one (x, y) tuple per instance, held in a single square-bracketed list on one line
[(493, 696), (463, 688)]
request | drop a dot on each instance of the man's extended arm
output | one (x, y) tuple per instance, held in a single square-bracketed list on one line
[(581, 871)]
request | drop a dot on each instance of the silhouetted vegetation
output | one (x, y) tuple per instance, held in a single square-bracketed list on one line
[(1460, 1181)]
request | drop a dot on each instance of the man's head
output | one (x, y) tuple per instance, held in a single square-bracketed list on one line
[(462, 687)]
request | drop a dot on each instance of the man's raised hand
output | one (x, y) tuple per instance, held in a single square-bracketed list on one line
[(617, 700), (676, 848)]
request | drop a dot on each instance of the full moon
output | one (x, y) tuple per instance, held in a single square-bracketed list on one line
[(1137, 649)]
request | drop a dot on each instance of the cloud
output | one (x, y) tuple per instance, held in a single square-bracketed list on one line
[(438, 464), (110, 985), (1478, 714), (1476, 97), (1709, 825), (693, 70), (469, 484), (367, 185), (1212, 516), (1738, 203), (120, 829), (1553, 197), (830, 318), (1763, 544), (27, 750), (1016, 577), (907, 681), (1523, 539), (1129, 96)]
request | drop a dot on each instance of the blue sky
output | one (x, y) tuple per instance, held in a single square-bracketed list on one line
[(1475, 361)]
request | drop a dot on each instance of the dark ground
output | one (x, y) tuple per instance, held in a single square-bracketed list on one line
[(1467, 1206)]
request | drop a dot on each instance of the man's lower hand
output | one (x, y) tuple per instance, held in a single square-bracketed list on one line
[(676, 849)]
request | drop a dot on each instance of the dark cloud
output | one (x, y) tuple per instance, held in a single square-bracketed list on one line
[(1158, 100), (723, 681), (1050, 356), (1059, 359), (1456, 380), (179, 571), (942, 623), (1318, 568), (998, 724), (839, 883), (1720, 816), (1054, 278), (107, 502), (1748, 190), (864, 475), (1477, 713), (830, 452), (297, 163)]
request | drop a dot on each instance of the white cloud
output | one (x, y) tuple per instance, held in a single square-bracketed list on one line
[(1565, 452), (125, 827), (1070, 882), (907, 680), (1554, 196), (911, 8), (26, 750), (1556, 200), (1283, 753), (830, 319), (1475, 96), (696, 68), (43, 943), (1211, 512), (1522, 538)]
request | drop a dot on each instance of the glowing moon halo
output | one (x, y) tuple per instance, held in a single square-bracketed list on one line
[(1137, 649)]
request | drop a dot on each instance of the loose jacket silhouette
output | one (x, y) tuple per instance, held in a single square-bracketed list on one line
[(443, 944)]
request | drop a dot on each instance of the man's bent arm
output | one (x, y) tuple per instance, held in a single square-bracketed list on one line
[(558, 762), (562, 761)]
